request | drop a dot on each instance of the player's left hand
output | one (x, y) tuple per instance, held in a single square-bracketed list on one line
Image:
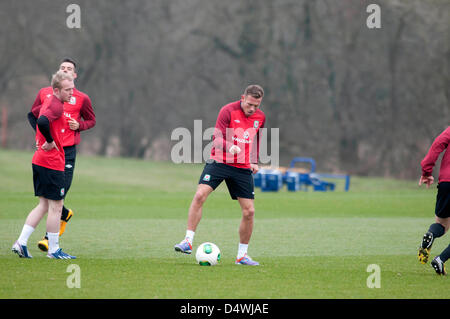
[(428, 180), (254, 168), (73, 125)]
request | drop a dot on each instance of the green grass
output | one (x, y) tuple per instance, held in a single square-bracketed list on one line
[(129, 214)]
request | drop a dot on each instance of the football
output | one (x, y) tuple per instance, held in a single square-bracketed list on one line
[(208, 254)]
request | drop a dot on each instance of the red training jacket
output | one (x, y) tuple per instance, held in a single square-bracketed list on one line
[(234, 128), (78, 107), (55, 158), (439, 145)]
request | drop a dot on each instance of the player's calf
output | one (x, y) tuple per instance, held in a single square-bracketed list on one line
[(66, 215)]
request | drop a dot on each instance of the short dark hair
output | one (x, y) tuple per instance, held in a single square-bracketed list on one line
[(70, 60), (254, 90)]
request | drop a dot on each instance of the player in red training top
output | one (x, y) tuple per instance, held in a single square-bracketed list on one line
[(77, 108), (234, 157), (442, 210), (48, 169)]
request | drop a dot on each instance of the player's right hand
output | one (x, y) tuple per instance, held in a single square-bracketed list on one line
[(234, 149), (428, 180)]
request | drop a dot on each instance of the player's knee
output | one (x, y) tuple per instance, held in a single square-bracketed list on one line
[(43, 206), (200, 197), (248, 212)]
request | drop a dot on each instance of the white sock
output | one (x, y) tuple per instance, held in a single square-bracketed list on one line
[(27, 230), (190, 236), (53, 242), (242, 250)]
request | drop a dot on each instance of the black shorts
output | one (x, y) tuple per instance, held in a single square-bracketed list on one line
[(48, 183), (443, 200), (239, 180)]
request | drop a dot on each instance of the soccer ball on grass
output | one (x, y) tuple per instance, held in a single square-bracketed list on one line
[(208, 254)]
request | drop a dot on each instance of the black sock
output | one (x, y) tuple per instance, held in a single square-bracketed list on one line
[(64, 213), (437, 230), (445, 254)]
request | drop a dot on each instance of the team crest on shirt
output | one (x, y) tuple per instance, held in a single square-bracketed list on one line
[(255, 124), (73, 100)]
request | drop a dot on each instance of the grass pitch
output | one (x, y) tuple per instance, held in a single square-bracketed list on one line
[(129, 214)]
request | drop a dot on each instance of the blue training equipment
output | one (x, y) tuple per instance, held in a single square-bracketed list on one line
[(272, 180)]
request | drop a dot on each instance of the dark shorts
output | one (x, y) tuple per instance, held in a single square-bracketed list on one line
[(443, 200), (239, 180), (48, 183), (70, 153)]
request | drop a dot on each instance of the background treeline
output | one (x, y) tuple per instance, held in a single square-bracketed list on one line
[(358, 100)]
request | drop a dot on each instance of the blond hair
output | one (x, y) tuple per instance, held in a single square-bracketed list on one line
[(58, 77)]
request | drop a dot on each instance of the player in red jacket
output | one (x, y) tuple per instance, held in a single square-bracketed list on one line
[(442, 210), (234, 157), (79, 116), (48, 169)]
